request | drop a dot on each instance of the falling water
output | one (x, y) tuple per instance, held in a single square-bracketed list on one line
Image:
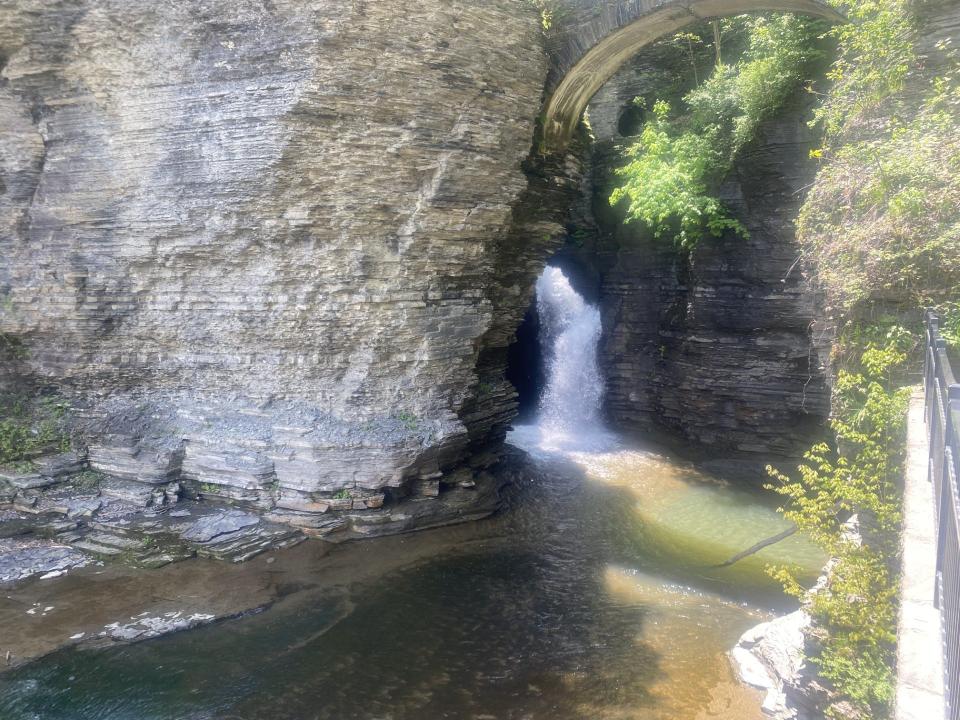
[(569, 413)]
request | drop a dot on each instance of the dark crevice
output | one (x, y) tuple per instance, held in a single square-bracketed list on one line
[(525, 365), (630, 122)]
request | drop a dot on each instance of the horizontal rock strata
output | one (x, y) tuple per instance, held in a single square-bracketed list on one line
[(272, 252), (727, 348)]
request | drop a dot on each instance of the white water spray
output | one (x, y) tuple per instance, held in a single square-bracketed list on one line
[(569, 413)]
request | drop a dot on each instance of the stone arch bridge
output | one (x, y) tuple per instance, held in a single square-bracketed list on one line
[(593, 40)]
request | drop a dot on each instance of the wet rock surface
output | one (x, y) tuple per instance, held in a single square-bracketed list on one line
[(146, 626), (74, 519), (26, 559), (770, 657), (89, 517), (224, 523), (107, 602), (260, 247), (123, 589)]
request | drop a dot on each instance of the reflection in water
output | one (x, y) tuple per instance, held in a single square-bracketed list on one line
[(591, 596)]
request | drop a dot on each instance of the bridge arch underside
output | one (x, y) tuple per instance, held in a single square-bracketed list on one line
[(595, 52)]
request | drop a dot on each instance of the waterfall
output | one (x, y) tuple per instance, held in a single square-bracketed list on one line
[(569, 413)]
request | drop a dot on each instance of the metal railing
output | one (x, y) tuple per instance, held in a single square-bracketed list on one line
[(942, 394)]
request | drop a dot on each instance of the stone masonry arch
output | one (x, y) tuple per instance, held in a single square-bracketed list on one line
[(595, 41)]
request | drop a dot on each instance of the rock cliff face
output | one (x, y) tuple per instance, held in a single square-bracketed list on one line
[(275, 252), (724, 348), (265, 246)]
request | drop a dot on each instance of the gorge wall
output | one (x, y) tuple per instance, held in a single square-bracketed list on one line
[(275, 253), (726, 348), (260, 245)]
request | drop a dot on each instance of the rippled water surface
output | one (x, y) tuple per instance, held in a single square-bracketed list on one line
[(591, 597)]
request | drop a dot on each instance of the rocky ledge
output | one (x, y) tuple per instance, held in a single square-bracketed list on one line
[(107, 578), (64, 514)]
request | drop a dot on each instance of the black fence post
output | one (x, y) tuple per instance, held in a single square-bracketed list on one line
[(942, 416)]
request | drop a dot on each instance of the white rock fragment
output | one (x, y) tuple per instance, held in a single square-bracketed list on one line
[(149, 627), (750, 669), (769, 655)]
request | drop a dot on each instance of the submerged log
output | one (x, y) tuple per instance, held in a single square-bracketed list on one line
[(757, 548)]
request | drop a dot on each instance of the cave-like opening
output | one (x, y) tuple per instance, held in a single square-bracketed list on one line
[(526, 356)]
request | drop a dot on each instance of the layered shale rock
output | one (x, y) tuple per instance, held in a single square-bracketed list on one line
[(726, 348), (264, 247), (273, 255)]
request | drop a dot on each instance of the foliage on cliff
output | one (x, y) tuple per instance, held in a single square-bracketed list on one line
[(551, 11), (857, 608), (879, 228), (670, 180), (29, 427), (882, 220), (950, 324), (667, 179)]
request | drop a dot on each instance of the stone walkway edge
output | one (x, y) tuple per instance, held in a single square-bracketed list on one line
[(919, 692)]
